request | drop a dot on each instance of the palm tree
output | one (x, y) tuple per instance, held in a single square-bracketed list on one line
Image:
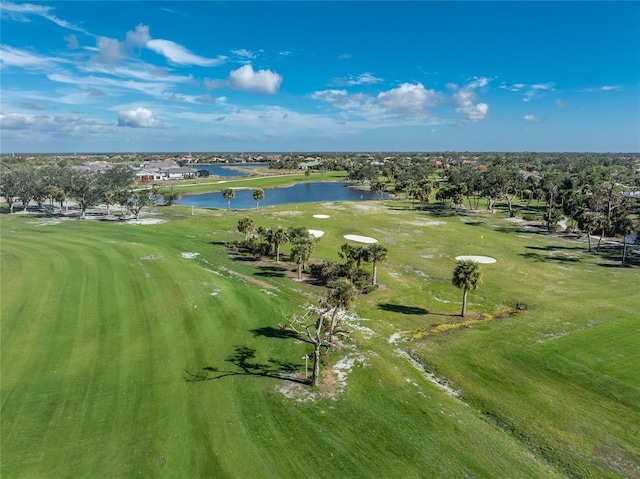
[(466, 276), (587, 222), (279, 237), (228, 194), (246, 226), (258, 194), (341, 296), (376, 253), (623, 225), (301, 252)]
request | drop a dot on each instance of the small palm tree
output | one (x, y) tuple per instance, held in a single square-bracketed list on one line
[(246, 226), (376, 253), (258, 194), (624, 226), (466, 276), (301, 252), (341, 296), (228, 194), (280, 237)]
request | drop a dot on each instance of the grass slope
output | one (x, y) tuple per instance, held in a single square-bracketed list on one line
[(100, 320)]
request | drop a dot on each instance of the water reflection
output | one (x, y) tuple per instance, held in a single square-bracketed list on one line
[(299, 193), (224, 171)]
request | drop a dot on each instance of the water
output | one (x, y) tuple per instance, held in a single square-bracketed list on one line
[(299, 193), (224, 171)]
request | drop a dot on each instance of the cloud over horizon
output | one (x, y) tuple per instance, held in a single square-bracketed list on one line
[(140, 118)]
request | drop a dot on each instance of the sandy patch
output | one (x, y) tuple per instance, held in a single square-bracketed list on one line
[(47, 222), (425, 223), (441, 383), (146, 221), (189, 255), (477, 259), (360, 239), (316, 233), (151, 257), (321, 216)]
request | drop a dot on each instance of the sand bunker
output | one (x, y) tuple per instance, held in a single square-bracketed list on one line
[(145, 221), (321, 216), (477, 259), (316, 233), (360, 239)]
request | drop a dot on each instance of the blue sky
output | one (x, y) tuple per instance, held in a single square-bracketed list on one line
[(136, 76)]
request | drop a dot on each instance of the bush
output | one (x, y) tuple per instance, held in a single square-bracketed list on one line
[(369, 288), (325, 271)]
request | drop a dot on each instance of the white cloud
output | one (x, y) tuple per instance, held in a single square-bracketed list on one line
[(20, 58), (531, 118), (344, 56), (465, 100), (602, 88), (244, 53), (48, 123), (139, 37), (536, 90), (562, 103), (516, 87), (110, 51), (139, 118), (20, 12), (72, 41), (262, 81), (181, 56), (343, 100), (363, 79), (410, 100)]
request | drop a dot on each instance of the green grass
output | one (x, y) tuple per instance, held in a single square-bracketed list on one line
[(210, 185), (100, 320)]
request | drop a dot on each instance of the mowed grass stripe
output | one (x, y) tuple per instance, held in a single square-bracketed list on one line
[(388, 422)]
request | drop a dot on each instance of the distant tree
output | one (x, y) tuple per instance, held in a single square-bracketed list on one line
[(246, 227), (466, 276), (118, 177), (228, 194), (10, 179), (258, 195), (136, 200), (171, 196), (624, 226), (110, 198), (587, 222), (87, 188)]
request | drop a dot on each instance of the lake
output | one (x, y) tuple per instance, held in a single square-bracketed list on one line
[(223, 170), (300, 193)]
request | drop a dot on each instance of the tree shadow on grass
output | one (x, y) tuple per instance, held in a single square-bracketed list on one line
[(544, 258), (399, 308), (409, 310), (280, 333), (243, 360), (271, 271)]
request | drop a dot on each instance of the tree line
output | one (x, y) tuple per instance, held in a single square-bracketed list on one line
[(55, 186)]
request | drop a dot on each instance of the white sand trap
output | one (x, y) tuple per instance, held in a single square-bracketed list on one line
[(145, 221), (360, 239), (477, 259), (316, 233), (321, 216)]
